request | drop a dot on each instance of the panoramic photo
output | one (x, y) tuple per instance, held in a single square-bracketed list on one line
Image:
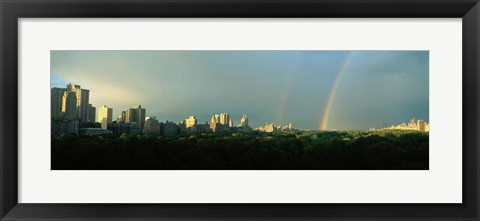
[(239, 110)]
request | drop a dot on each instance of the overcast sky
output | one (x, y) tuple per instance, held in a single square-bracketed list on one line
[(269, 86)]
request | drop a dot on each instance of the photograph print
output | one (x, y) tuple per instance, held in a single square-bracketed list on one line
[(239, 110)]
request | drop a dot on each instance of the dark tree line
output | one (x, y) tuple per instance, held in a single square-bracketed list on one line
[(349, 150)]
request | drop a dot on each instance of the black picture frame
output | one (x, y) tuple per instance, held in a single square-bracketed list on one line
[(12, 10)]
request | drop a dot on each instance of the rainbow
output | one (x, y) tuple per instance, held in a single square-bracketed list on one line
[(333, 91), (288, 90)]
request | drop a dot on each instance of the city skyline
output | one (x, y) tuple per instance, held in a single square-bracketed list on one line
[(311, 89), (66, 108)]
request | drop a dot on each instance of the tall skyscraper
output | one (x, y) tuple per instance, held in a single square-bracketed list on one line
[(224, 118), (56, 97), (64, 115), (92, 111), (70, 108), (136, 114), (82, 101), (122, 116), (230, 123), (105, 115), (214, 119), (69, 104)]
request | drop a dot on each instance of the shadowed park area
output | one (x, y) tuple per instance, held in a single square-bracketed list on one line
[(305, 150)]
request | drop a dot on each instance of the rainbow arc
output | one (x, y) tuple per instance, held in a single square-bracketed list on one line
[(333, 91)]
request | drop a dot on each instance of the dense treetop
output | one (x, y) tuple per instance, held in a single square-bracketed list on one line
[(331, 150)]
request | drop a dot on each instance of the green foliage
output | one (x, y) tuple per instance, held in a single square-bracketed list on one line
[(331, 150)]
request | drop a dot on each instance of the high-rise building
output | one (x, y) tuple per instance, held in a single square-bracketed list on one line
[(244, 126), (69, 104), (230, 123), (105, 115), (136, 114), (131, 115), (64, 115), (152, 126), (215, 118), (92, 111), (56, 101), (82, 101), (421, 125), (122, 116), (244, 121), (191, 124), (70, 109), (224, 118)]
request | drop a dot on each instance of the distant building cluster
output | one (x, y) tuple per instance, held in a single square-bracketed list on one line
[(131, 121), (218, 123), (73, 114), (417, 125), (270, 127)]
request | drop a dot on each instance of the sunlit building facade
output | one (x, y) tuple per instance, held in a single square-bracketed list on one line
[(64, 117), (419, 125), (136, 114), (270, 127), (221, 122), (56, 101), (69, 105), (243, 121), (105, 115), (82, 101), (191, 124), (224, 118), (70, 109)]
